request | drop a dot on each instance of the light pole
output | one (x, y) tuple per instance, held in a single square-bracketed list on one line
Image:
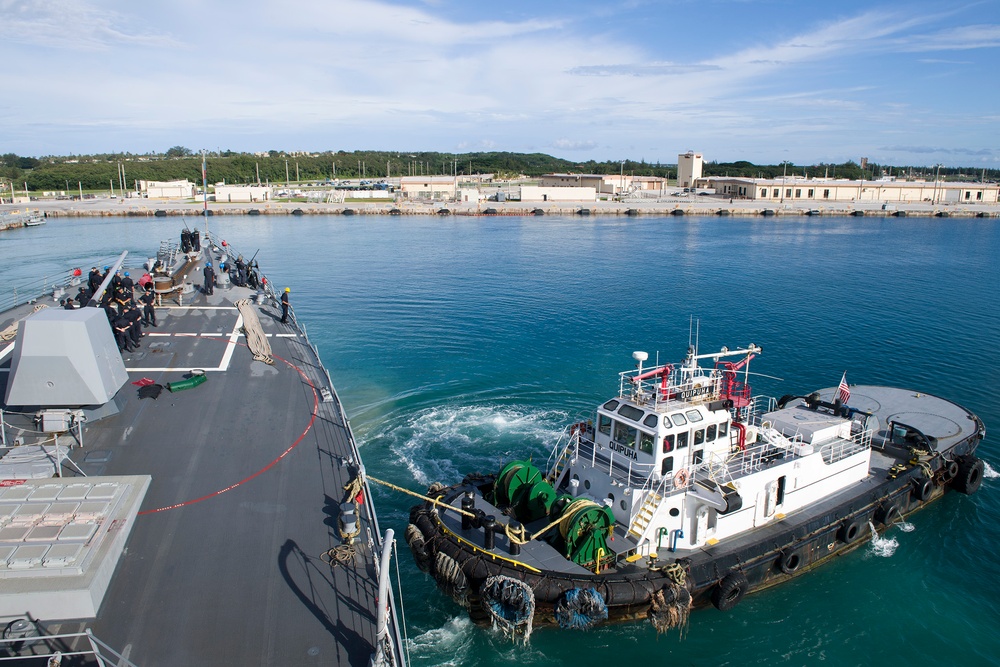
[(937, 176), (784, 173)]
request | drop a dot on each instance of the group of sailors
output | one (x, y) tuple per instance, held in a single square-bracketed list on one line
[(121, 304)]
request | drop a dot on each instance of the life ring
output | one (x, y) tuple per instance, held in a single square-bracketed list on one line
[(922, 489), (850, 530), (728, 593), (790, 562), (681, 479)]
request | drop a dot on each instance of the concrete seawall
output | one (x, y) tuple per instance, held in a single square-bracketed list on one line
[(708, 206)]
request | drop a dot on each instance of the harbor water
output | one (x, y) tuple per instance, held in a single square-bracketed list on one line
[(457, 343)]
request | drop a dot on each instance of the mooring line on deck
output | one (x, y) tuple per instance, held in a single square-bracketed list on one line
[(312, 420)]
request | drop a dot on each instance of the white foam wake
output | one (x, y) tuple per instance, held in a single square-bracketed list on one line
[(988, 471), (884, 547), (453, 640)]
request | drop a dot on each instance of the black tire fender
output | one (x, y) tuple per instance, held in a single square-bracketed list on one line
[(730, 590), (888, 513), (850, 530), (970, 475), (922, 489), (951, 470), (791, 561)]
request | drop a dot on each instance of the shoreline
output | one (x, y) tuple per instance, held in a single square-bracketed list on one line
[(702, 206)]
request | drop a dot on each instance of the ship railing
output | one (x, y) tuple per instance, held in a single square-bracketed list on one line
[(566, 448), (74, 648), (687, 385), (841, 448), (232, 254), (619, 467)]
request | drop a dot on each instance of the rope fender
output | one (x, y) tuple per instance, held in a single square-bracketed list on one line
[(580, 609), (511, 605)]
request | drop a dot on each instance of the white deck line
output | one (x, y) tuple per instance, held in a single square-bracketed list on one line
[(231, 345), (6, 351)]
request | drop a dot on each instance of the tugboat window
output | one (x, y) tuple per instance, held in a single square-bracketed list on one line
[(625, 434), (630, 412), (651, 420), (723, 429), (710, 433), (697, 456), (604, 424), (611, 405), (668, 444), (699, 437), (667, 466), (586, 483), (682, 440), (674, 511), (678, 419), (646, 442), (694, 416)]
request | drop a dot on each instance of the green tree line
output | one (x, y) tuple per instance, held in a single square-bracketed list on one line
[(98, 172)]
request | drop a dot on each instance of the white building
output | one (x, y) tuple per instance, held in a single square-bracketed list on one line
[(539, 193), (689, 169), (167, 189), (842, 190), (227, 194)]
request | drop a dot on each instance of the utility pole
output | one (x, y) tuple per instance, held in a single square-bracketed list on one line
[(297, 179), (287, 183)]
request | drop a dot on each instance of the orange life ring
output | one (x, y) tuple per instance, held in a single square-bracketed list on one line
[(681, 479)]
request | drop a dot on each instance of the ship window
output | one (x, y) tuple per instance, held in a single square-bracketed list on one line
[(696, 457), (678, 419), (694, 416), (682, 440), (624, 506), (586, 483), (674, 511), (630, 412), (611, 497), (646, 442), (668, 443), (710, 433), (611, 405), (604, 424), (699, 437), (625, 434), (667, 466), (651, 420), (723, 428)]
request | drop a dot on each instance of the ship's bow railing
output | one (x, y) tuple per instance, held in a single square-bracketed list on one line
[(70, 648)]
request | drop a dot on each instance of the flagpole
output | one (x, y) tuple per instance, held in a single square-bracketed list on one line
[(204, 190)]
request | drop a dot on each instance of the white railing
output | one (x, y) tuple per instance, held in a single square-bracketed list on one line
[(56, 648)]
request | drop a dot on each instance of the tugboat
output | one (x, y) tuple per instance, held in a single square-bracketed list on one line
[(687, 490)]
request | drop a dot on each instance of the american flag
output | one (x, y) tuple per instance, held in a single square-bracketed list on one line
[(843, 391)]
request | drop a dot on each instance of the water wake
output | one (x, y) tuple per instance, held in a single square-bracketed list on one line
[(453, 639), (444, 443), (988, 471), (906, 526), (883, 547)]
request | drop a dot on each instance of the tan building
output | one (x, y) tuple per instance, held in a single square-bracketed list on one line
[(429, 187), (689, 169), (167, 189), (605, 184), (886, 191), (243, 193)]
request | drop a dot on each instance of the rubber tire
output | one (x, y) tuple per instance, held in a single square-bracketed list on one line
[(728, 593), (922, 489), (850, 531), (970, 475), (951, 471), (888, 513), (790, 562)]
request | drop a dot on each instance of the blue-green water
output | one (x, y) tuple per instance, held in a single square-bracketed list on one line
[(456, 343)]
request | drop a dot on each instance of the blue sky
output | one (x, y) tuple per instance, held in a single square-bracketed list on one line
[(762, 80)]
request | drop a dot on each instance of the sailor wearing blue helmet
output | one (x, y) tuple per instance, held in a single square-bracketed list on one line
[(209, 278)]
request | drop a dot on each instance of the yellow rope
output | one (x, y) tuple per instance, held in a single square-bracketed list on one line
[(436, 501), (256, 338)]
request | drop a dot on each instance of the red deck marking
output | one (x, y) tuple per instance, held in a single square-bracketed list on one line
[(312, 420)]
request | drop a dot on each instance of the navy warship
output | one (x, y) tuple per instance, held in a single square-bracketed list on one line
[(194, 498)]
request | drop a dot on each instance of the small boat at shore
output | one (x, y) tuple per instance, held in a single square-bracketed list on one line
[(687, 490)]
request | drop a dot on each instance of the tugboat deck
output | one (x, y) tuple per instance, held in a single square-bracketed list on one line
[(228, 559)]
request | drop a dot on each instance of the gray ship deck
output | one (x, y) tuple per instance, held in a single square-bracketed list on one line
[(225, 564)]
